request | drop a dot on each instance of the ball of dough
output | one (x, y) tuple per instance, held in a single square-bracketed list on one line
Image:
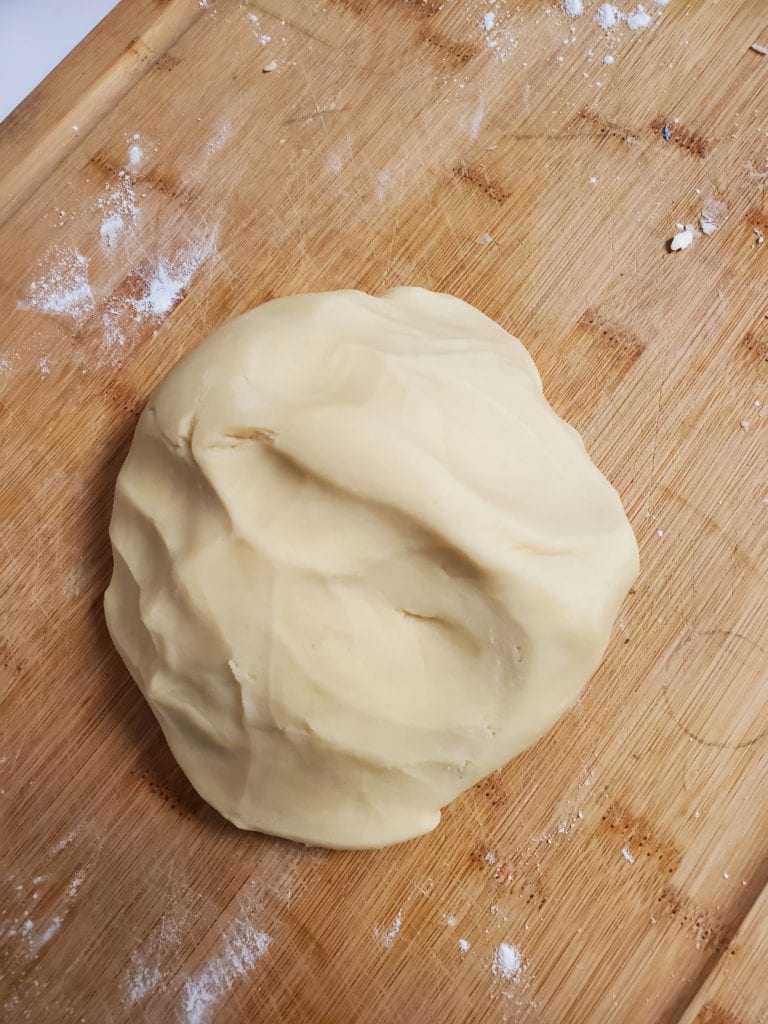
[(359, 562)]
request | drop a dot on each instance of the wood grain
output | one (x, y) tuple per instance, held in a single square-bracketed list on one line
[(625, 856)]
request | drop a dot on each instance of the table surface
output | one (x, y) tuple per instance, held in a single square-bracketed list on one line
[(35, 35), (535, 163)]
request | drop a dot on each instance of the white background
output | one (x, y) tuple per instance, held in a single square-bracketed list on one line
[(35, 35)]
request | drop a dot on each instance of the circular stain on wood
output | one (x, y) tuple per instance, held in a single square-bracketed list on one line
[(714, 685)]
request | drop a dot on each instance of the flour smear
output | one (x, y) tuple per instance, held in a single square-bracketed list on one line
[(171, 277), (242, 947)]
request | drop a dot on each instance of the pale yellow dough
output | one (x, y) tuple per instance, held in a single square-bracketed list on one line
[(359, 562)]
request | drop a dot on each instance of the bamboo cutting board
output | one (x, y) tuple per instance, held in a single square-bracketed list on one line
[(536, 164)]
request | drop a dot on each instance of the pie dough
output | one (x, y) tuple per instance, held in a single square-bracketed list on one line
[(359, 562)]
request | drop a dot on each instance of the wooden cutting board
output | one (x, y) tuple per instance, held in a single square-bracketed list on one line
[(163, 180)]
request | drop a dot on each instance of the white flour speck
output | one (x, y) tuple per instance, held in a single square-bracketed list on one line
[(627, 854), (682, 240), (507, 962), (464, 946), (450, 920), (489, 20), (639, 18), (386, 938), (5, 364), (64, 290), (608, 16), (573, 8), (135, 154), (242, 947), (44, 366)]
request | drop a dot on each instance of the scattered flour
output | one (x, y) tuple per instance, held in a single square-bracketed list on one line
[(164, 286), (498, 39), (36, 940), (171, 278), (120, 198), (387, 938), (66, 840), (263, 37), (63, 289), (5, 364), (74, 885), (627, 854), (507, 962), (573, 8), (610, 17), (464, 946), (243, 946), (110, 229), (144, 980)]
